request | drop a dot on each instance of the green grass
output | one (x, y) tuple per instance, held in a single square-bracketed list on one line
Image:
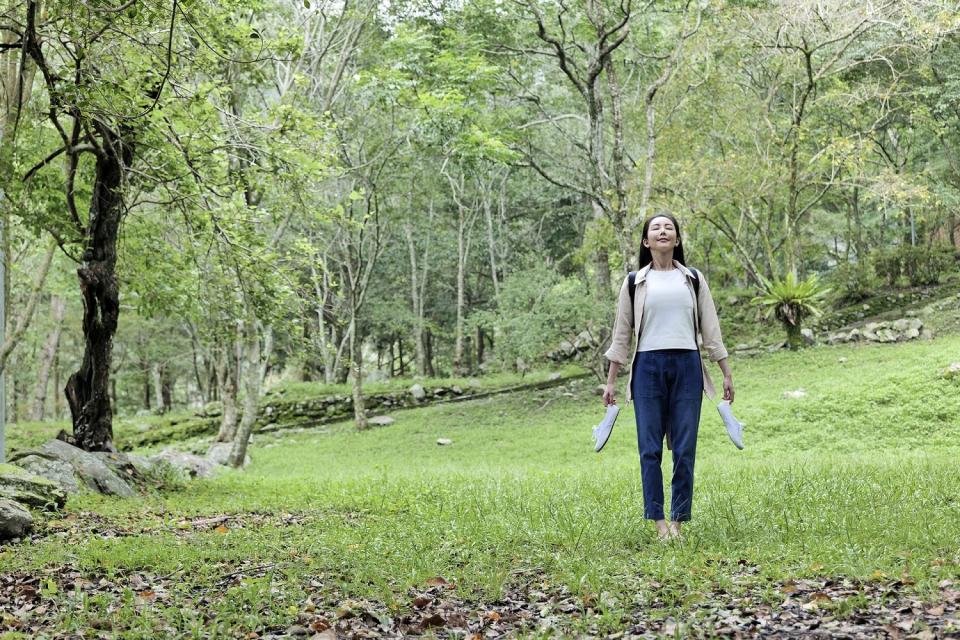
[(857, 479), (160, 431)]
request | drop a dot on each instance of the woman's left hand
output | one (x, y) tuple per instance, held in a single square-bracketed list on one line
[(728, 388)]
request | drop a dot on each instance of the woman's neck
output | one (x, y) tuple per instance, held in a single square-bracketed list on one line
[(662, 261)]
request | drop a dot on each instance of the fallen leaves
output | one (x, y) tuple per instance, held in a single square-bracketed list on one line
[(35, 604)]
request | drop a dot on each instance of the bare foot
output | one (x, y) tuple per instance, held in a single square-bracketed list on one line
[(663, 530), (674, 529)]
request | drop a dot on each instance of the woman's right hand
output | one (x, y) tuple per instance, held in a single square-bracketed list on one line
[(609, 395)]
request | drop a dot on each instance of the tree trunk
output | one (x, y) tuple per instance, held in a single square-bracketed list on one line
[(145, 369), (491, 243), (228, 377), (416, 299), (428, 354), (480, 346), (47, 358), (251, 399), (87, 389), (156, 379), (356, 376)]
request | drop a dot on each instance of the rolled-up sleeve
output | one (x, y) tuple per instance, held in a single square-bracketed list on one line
[(622, 334), (710, 323)]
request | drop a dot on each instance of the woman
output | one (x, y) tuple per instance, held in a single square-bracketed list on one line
[(671, 306)]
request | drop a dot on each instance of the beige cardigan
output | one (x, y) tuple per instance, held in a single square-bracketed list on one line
[(626, 327)]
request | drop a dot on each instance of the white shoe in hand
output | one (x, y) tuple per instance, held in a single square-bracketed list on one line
[(734, 428), (601, 432)]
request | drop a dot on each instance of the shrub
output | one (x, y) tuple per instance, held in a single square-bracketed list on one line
[(887, 265), (924, 265), (920, 265), (537, 310), (790, 301), (853, 282)]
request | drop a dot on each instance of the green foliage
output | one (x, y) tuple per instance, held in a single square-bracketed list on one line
[(887, 264), (920, 265), (853, 281), (538, 309), (926, 265), (790, 300)]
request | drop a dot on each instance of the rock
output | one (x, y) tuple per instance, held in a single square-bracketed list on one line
[(123, 465), (91, 471), (194, 466), (900, 325), (60, 472), (599, 389), (886, 335), (15, 520), (473, 383), (841, 360), (381, 421), (808, 338), (444, 441), (211, 410), (798, 393), (457, 390), (567, 348), (952, 372), (556, 375), (417, 392), (219, 453), (22, 486), (854, 335)]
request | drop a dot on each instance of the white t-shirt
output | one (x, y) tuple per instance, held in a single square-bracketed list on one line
[(667, 321)]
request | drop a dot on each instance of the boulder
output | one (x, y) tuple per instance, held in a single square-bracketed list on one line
[(808, 337), (194, 466), (417, 392), (15, 520), (219, 453), (952, 372), (126, 466), (556, 375), (211, 410), (20, 485), (887, 335), (380, 421), (60, 472), (444, 441), (91, 472)]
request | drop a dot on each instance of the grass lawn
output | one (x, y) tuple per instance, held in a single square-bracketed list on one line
[(844, 506)]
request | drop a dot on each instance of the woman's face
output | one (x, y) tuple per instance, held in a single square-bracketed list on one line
[(661, 234)]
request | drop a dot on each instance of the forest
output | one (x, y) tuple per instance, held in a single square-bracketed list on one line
[(203, 200)]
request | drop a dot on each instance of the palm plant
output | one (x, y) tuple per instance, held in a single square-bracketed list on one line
[(790, 301)]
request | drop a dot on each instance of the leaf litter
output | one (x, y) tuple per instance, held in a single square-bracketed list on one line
[(35, 604)]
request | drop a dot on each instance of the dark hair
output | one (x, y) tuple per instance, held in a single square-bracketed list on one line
[(645, 256)]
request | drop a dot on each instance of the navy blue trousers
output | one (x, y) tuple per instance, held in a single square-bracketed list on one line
[(667, 387)]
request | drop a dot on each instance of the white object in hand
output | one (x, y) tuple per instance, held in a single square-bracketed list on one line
[(601, 432), (734, 428)]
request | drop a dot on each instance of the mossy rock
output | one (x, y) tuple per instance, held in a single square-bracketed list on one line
[(20, 485)]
